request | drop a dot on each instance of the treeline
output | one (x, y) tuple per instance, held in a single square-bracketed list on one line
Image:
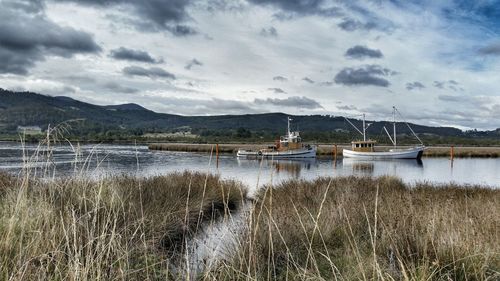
[(93, 132)]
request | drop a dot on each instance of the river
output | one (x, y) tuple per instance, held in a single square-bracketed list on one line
[(108, 159)]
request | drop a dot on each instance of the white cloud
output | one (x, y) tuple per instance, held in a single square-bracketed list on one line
[(239, 64)]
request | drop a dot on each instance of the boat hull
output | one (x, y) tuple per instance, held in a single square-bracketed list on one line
[(410, 153), (289, 154)]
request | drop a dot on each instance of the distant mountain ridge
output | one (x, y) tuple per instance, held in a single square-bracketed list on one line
[(126, 106), (27, 109)]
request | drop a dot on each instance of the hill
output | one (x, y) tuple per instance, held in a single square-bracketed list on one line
[(32, 109)]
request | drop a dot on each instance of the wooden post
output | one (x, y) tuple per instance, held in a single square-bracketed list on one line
[(335, 155), (451, 153), (217, 154)]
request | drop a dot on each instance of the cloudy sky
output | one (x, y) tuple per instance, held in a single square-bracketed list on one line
[(438, 61)]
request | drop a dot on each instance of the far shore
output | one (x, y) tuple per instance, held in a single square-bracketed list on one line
[(459, 151), (329, 149)]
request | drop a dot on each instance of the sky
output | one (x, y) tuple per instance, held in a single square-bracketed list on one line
[(437, 61)]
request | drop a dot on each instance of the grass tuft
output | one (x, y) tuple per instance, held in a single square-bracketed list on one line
[(115, 228), (364, 228)]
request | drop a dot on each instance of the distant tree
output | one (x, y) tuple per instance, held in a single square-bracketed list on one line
[(243, 133)]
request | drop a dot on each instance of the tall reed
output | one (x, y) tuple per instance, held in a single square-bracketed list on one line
[(364, 229), (115, 228)]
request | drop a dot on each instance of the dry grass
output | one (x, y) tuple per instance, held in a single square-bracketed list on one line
[(362, 228), (463, 152), (348, 228), (116, 228)]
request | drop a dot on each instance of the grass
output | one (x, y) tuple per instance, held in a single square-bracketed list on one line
[(361, 228), (120, 227), (346, 228)]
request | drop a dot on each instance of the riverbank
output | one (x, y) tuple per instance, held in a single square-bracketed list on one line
[(328, 149), (343, 228), (119, 227), (370, 229)]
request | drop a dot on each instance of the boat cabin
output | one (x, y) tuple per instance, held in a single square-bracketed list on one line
[(291, 141), (363, 146)]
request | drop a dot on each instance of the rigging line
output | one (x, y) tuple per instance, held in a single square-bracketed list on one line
[(359, 131), (389, 135), (409, 126)]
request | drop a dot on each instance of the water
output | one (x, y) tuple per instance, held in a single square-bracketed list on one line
[(106, 159), (215, 241)]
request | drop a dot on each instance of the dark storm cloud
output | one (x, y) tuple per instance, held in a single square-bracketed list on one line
[(26, 38), (277, 90), (301, 7), (123, 53), (349, 24), (295, 101), (492, 49), (414, 85), (269, 32), (361, 52), (193, 62), (153, 72), (152, 14), (368, 75), (308, 80), (280, 78), (118, 88)]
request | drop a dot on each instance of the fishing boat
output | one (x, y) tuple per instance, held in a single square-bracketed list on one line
[(365, 149), (288, 146)]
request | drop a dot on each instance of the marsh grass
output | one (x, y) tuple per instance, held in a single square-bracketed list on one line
[(115, 228), (365, 229)]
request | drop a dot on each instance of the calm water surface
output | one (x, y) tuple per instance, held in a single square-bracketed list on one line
[(106, 159)]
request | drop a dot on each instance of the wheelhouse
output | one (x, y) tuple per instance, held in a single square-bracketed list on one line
[(363, 146)]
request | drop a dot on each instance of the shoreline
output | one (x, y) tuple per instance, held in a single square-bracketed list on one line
[(328, 149)]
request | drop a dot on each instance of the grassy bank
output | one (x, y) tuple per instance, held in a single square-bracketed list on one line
[(347, 228), (327, 149), (361, 228), (122, 227)]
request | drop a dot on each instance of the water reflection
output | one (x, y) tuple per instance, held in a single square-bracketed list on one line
[(391, 166), (291, 168), (103, 159)]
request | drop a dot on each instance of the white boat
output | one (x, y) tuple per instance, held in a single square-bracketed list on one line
[(289, 146), (365, 149), (408, 153)]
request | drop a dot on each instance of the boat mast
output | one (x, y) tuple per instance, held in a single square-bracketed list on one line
[(288, 132), (394, 123), (364, 128)]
